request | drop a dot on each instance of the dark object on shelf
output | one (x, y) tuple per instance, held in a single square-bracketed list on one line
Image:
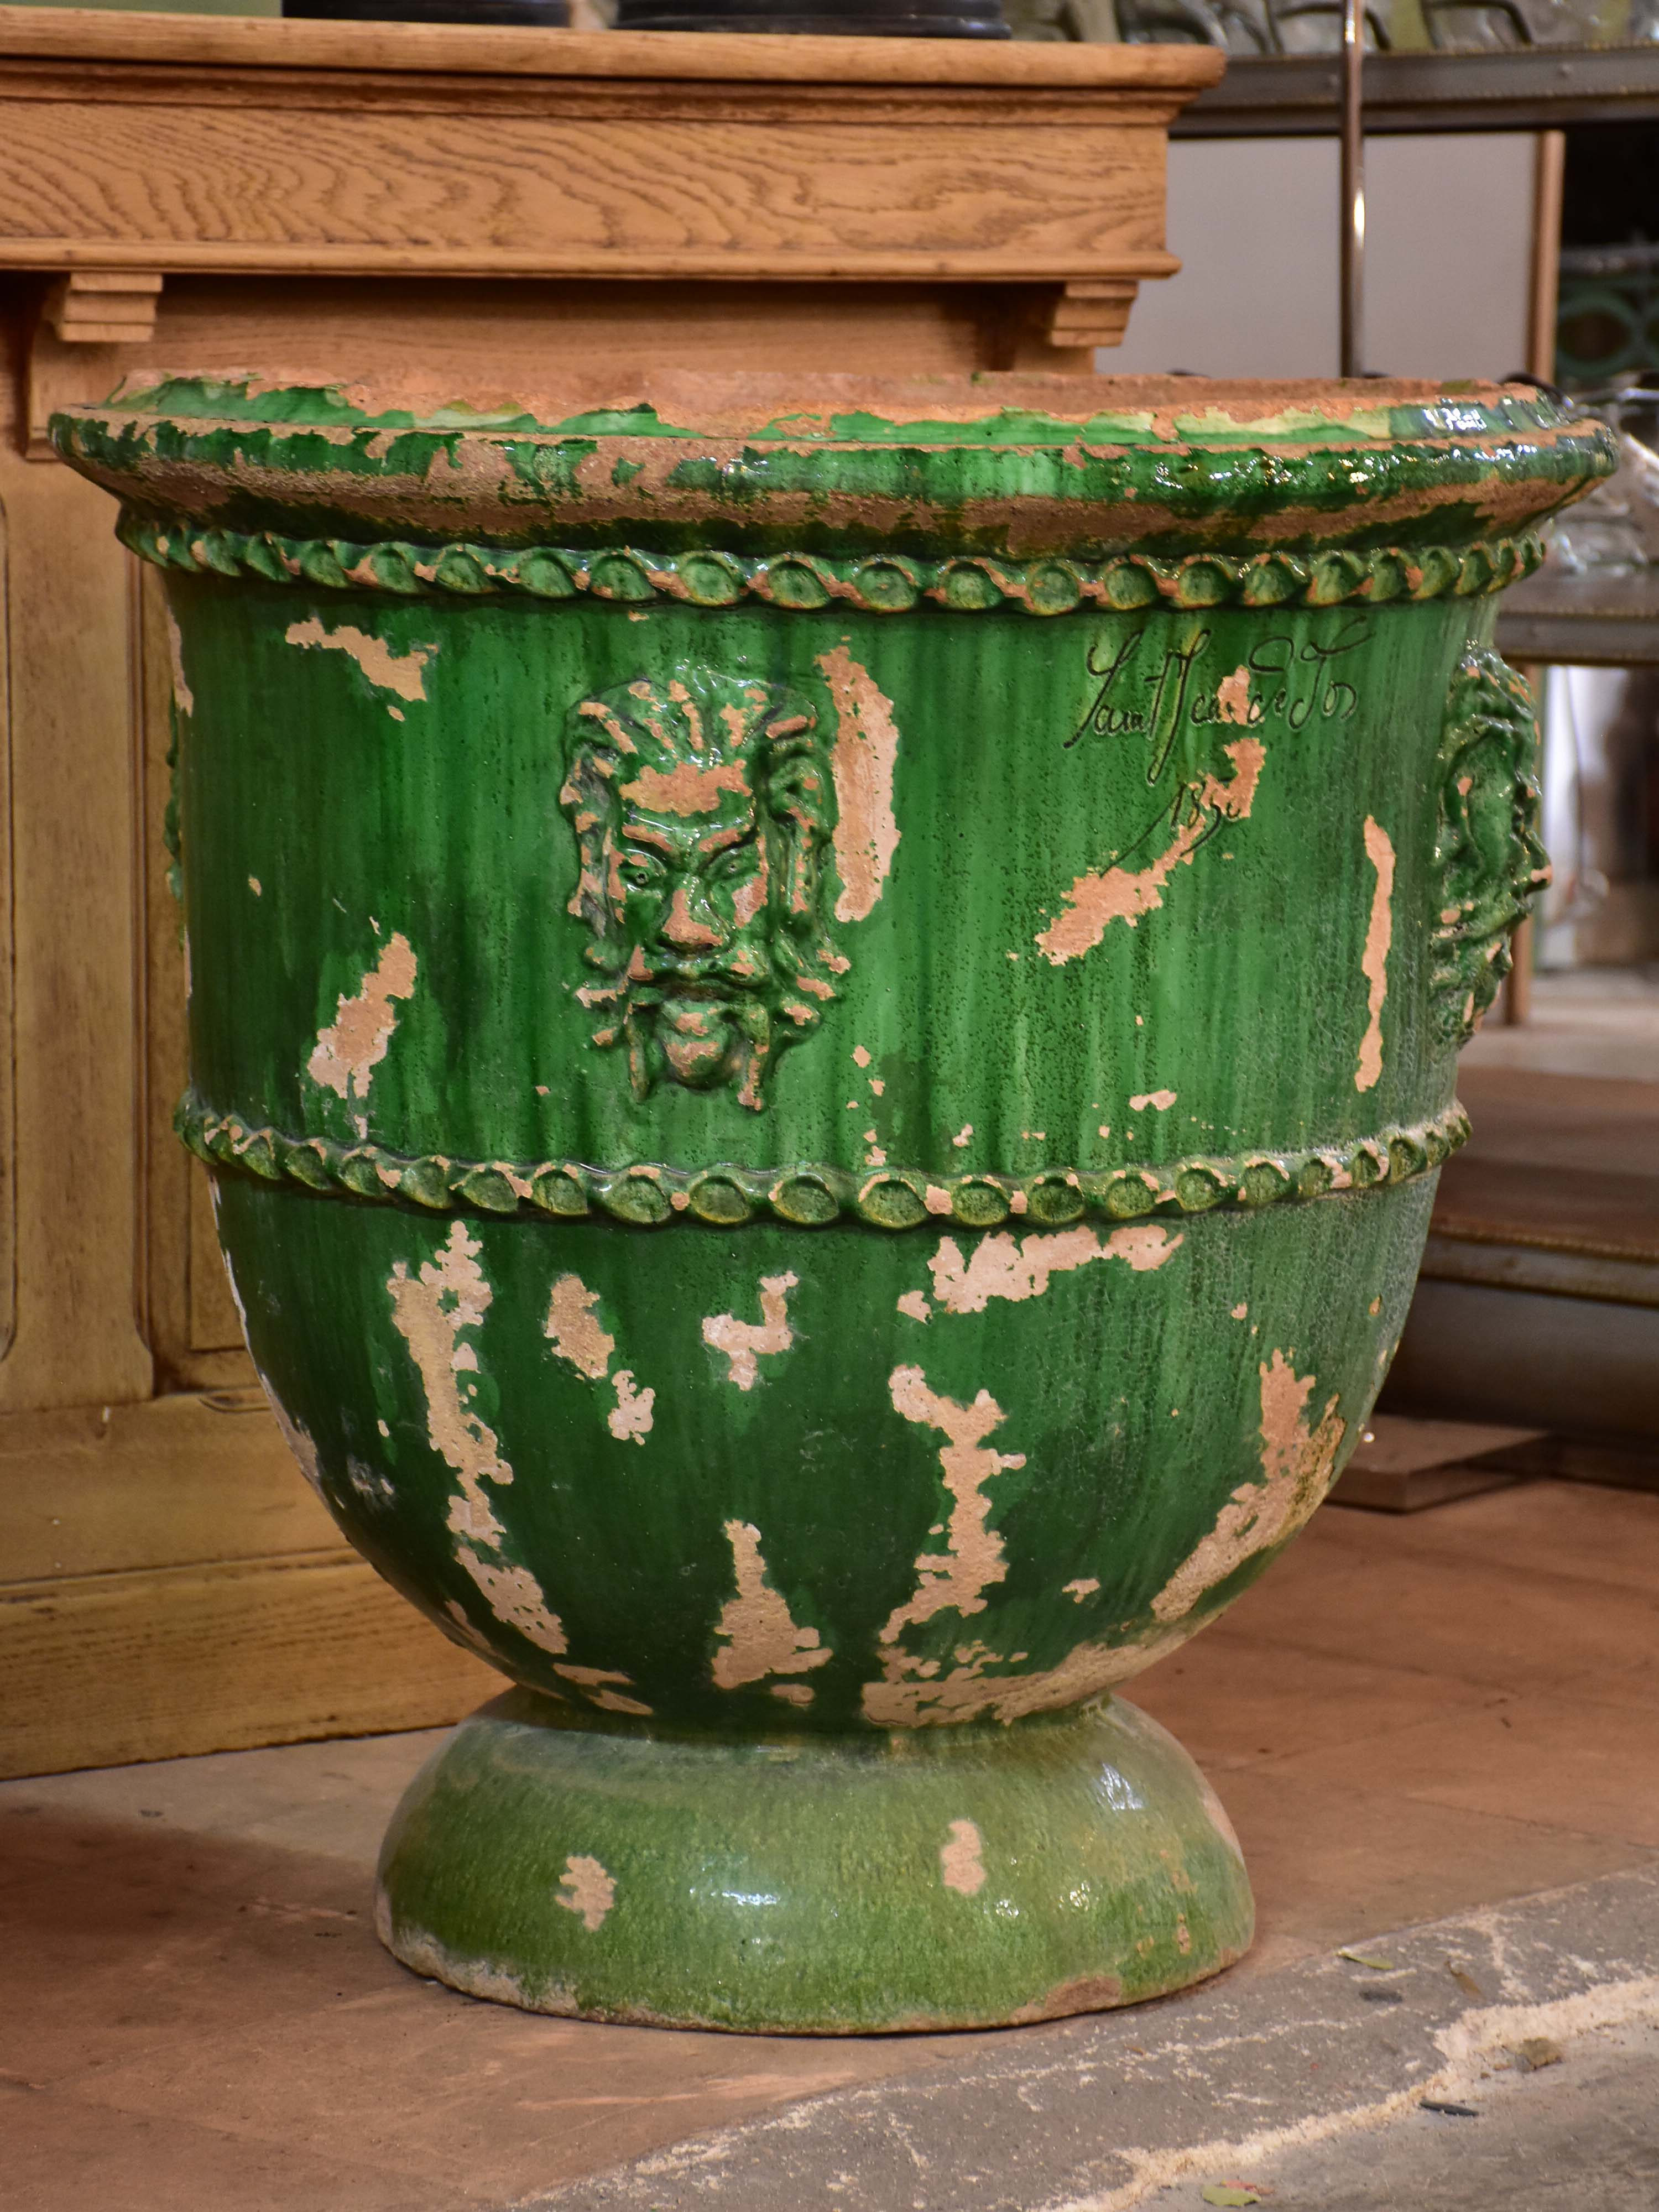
[(1245, 26), (1406, 1464), (862, 19), (1501, 26), (477, 15), (1608, 311), (1539, 1299), (1577, 1459), (1531, 88), (1610, 186), (1402, 1466)]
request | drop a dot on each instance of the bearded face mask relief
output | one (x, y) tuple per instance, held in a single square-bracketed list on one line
[(701, 806)]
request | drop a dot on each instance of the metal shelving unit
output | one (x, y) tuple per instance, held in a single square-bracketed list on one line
[(1584, 620)]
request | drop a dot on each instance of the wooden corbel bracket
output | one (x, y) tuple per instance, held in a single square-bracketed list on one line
[(1059, 326), (103, 306), (85, 316), (1093, 311)]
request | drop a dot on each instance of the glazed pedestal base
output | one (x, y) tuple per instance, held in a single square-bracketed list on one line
[(961, 1877)]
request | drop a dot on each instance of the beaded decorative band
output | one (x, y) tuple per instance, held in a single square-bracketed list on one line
[(888, 583), (810, 1196)]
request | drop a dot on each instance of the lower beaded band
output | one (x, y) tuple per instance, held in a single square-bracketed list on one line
[(811, 1196)]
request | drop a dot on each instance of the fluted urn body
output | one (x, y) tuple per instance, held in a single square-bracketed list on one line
[(824, 1022)]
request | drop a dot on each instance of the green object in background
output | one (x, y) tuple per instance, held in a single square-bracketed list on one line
[(824, 1031), (1608, 316)]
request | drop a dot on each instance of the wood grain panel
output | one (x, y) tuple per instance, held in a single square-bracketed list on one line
[(72, 667), (184, 187), (194, 1332), (446, 336), (110, 1669), (177, 1481), (216, 1354), (8, 1042)]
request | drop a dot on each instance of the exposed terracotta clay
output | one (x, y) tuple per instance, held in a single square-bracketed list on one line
[(597, 1684), (962, 1865), (1232, 696), (572, 1329), (744, 1342), (1005, 1266), (434, 1310), (687, 789), (630, 1419), (587, 1890), (401, 672), (298, 1440), (1124, 894), (759, 1635), (1297, 1464), (1374, 962), (347, 1052), (862, 761), (183, 697), (985, 1681), (973, 1559)]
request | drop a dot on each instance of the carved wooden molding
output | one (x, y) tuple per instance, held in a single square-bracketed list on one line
[(196, 143), (86, 38)]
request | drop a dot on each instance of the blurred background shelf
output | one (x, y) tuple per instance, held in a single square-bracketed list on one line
[(1526, 88), (1538, 1301), (1594, 620)]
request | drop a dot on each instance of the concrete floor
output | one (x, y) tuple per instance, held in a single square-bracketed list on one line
[(1511, 2047), (1581, 2138), (1409, 1720)]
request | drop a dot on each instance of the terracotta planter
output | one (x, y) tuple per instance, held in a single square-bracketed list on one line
[(824, 1030)]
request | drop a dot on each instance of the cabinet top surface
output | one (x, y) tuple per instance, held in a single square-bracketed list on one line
[(93, 36)]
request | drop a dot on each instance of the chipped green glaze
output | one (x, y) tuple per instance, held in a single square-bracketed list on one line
[(622, 890)]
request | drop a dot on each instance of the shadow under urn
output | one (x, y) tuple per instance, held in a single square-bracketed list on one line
[(824, 1022)]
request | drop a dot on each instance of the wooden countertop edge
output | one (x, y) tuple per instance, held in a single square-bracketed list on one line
[(251, 42), (300, 257)]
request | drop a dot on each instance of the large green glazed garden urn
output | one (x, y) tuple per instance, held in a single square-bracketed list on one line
[(823, 1022)]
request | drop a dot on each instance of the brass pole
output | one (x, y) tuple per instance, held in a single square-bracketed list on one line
[(1353, 234), (1549, 168)]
